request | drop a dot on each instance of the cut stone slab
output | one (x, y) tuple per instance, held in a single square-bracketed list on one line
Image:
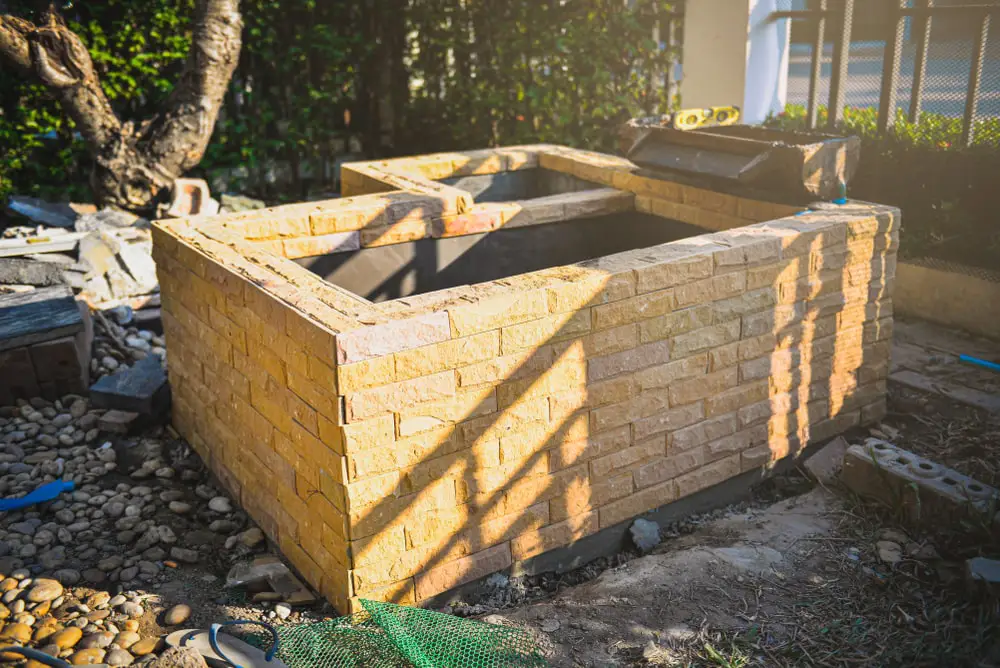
[(141, 389), (828, 461), (117, 422), (138, 260), (40, 315), (23, 271)]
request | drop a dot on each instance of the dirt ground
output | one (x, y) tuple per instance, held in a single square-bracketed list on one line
[(799, 581)]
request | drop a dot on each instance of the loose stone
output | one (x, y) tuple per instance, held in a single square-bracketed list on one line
[(177, 615)]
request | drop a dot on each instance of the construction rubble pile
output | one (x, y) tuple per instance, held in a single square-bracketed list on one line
[(126, 547), (103, 255)]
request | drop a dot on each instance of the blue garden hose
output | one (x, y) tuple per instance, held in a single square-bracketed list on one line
[(213, 634), (35, 655), (45, 492), (992, 366)]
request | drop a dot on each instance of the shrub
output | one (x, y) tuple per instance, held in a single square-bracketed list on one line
[(945, 190), (321, 80)]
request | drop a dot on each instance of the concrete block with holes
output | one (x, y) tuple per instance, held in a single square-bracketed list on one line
[(924, 490)]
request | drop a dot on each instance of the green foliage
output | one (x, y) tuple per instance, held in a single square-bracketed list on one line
[(931, 131), (946, 191), (137, 48), (321, 79)]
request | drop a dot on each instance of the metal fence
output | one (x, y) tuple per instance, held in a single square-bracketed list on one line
[(903, 58)]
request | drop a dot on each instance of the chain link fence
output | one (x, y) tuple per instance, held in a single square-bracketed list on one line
[(944, 55)]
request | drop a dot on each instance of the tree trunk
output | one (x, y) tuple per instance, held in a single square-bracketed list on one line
[(132, 165)]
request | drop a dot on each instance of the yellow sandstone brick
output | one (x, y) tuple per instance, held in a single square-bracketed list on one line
[(462, 570), (638, 503), (572, 452), (702, 432), (633, 309), (507, 367), (663, 375), (676, 418), (711, 289), (667, 468), (497, 312), (614, 340), (698, 340), (370, 373), (464, 405), (627, 458), (733, 399), (566, 374), (378, 432), (678, 267), (555, 535), (544, 331), (397, 396), (677, 322), (581, 494), (707, 476), (451, 354)]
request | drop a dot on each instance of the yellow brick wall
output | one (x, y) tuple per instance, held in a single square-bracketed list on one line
[(256, 404), (581, 403), (395, 451)]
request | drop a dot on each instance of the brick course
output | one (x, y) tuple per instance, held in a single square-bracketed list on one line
[(397, 450)]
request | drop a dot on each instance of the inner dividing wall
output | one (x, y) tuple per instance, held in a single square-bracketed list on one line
[(400, 270)]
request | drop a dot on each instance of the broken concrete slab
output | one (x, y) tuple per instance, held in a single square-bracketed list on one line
[(922, 489), (828, 461), (23, 271), (140, 389), (107, 219), (983, 575), (138, 260), (960, 393), (97, 254), (55, 214)]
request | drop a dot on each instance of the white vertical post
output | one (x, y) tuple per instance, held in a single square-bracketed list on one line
[(733, 53), (768, 43)]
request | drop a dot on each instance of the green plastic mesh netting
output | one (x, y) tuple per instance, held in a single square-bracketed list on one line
[(393, 636)]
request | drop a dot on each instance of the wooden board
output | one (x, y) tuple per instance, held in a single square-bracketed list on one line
[(56, 243), (36, 316)]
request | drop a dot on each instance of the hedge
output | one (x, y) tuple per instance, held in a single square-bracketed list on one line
[(946, 191), (321, 80)]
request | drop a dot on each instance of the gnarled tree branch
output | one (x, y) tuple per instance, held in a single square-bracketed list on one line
[(194, 104), (54, 55), (133, 166), (14, 43)]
